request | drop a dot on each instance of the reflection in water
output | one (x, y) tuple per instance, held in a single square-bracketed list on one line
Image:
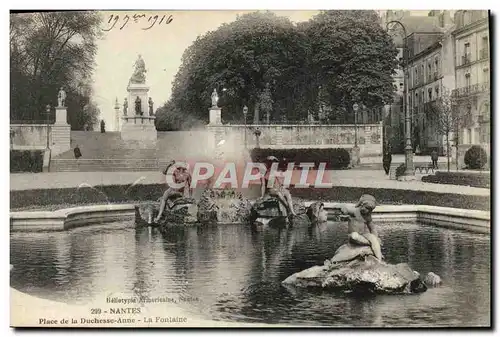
[(233, 273)]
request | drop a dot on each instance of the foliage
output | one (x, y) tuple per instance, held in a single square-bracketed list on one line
[(168, 118), (475, 157), (338, 158), (50, 50), (345, 52), (352, 58), (26, 161)]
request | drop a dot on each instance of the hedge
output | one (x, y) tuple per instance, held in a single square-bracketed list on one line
[(337, 158), (473, 179), (26, 161), (125, 193)]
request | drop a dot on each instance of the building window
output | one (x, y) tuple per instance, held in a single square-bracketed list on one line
[(430, 94), (422, 72), (436, 69), (466, 56), (416, 99), (437, 91), (484, 52), (429, 71), (467, 80), (416, 76)]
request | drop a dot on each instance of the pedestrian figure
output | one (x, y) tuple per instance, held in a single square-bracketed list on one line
[(77, 152), (434, 158), (386, 160)]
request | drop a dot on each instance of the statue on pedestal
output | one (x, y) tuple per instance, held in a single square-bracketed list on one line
[(138, 110), (150, 103), (125, 107), (215, 99), (139, 72), (61, 97)]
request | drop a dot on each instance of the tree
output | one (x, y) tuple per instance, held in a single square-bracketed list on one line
[(49, 50), (352, 58), (447, 117)]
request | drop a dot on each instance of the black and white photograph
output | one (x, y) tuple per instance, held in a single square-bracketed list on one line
[(250, 168)]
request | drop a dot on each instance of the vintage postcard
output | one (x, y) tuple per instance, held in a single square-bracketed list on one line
[(314, 168)]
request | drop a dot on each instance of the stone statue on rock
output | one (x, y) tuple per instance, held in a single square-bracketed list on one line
[(61, 98), (358, 265), (139, 72)]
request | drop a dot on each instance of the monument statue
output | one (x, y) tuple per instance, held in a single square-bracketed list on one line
[(138, 110), (215, 99), (139, 72), (61, 97), (150, 103), (125, 107)]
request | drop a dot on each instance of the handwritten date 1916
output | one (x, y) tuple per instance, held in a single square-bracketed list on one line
[(151, 20)]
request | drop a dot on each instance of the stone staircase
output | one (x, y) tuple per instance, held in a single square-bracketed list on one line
[(107, 152)]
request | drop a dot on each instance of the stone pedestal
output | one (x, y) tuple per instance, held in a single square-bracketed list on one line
[(215, 116), (135, 128), (61, 116), (137, 90)]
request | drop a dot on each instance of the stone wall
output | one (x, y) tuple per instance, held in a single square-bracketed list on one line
[(34, 137)]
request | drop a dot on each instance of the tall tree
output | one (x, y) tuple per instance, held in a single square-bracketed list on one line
[(50, 50), (243, 56)]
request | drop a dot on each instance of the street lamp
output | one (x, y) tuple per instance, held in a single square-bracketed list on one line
[(245, 112), (257, 134), (409, 172), (47, 111), (355, 107)]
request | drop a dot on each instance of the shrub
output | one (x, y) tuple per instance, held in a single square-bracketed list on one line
[(475, 157), (338, 158), (26, 161)]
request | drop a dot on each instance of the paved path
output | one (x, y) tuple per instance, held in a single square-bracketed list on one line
[(350, 178)]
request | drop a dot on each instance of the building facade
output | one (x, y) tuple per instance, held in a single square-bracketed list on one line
[(472, 80)]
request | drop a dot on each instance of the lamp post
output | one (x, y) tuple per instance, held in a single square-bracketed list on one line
[(47, 111), (409, 172), (245, 112)]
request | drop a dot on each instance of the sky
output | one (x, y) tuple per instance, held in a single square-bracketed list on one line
[(161, 47)]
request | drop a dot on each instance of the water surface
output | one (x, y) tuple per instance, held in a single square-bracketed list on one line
[(234, 274)]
